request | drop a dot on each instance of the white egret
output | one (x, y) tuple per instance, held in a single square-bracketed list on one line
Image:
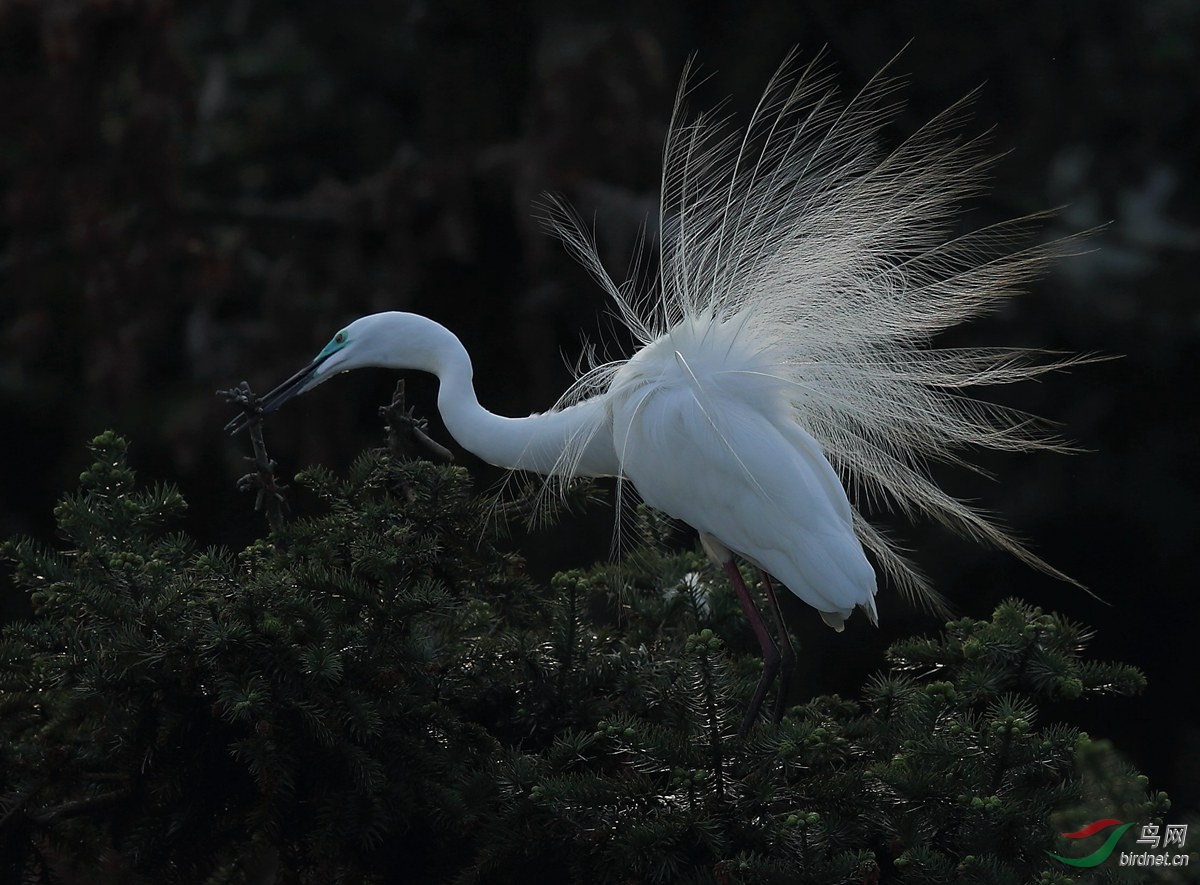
[(802, 274)]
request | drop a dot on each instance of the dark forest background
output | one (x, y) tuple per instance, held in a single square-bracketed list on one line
[(195, 194)]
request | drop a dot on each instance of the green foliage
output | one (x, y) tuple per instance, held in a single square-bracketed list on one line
[(288, 699), (380, 692)]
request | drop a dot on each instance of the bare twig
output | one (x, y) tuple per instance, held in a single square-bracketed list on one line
[(269, 490), (406, 436)]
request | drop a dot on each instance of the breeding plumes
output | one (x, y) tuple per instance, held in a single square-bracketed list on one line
[(784, 353)]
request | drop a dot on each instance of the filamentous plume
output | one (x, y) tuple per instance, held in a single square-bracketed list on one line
[(829, 262)]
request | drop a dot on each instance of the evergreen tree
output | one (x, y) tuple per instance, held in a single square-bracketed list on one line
[(379, 693)]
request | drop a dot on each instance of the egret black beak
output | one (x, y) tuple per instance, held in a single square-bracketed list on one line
[(278, 396)]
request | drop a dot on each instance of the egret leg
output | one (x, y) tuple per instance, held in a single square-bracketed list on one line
[(770, 652), (787, 654)]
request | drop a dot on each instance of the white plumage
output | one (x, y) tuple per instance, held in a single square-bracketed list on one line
[(705, 432), (823, 267), (788, 340)]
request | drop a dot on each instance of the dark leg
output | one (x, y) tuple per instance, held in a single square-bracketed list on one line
[(771, 656), (787, 653)]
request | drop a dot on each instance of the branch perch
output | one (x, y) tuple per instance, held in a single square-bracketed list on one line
[(269, 490)]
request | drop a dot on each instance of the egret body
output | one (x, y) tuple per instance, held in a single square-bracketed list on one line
[(802, 274)]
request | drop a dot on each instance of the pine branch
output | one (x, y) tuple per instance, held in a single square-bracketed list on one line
[(380, 690), (78, 807)]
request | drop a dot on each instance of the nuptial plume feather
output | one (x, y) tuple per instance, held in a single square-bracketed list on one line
[(822, 266)]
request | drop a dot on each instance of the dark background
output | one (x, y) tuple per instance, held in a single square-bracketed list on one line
[(193, 194)]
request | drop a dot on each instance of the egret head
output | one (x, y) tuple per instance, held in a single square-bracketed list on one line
[(392, 339), (348, 349)]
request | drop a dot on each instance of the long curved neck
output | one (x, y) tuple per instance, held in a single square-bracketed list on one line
[(575, 441)]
